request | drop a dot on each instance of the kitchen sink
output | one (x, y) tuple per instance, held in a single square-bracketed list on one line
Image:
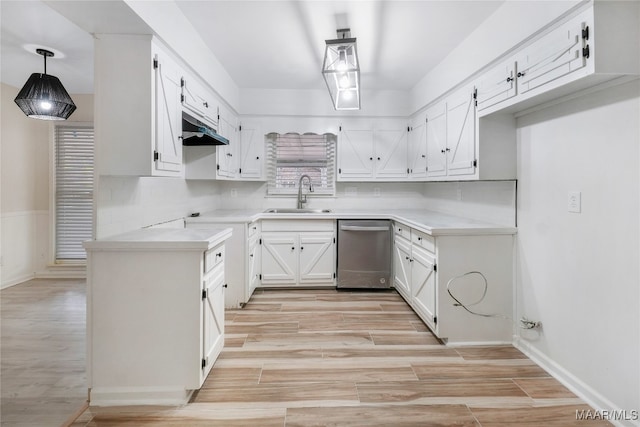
[(291, 210)]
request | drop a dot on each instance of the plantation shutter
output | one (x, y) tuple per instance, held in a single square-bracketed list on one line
[(291, 155), (74, 190)]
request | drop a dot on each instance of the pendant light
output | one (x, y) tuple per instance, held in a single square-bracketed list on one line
[(341, 71), (43, 96)]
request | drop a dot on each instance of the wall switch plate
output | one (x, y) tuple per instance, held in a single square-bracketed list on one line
[(574, 202)]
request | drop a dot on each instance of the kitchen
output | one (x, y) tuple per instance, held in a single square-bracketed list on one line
[(556, 153)]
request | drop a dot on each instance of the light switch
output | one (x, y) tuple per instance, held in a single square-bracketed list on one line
[(574, 201)]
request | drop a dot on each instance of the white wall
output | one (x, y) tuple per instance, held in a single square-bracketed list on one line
[(25, 146), (318, 103), (129, 203), (578, 273)]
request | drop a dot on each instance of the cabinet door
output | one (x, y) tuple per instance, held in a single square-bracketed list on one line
[(168, 115), (402, 267), (423, 285), (417, 152), (316, 261), (551, 57), (436, 140), (253, 266), (355, 154), (227, 155), (279, 258), (461, 133), (390, 152), (251, 151), (213, 319), (496, 85), (194, 98)]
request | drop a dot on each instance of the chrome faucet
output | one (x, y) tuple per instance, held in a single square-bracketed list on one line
[(302, 199)]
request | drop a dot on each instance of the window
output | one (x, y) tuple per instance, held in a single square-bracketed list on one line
[(73, 191), (291, 155)]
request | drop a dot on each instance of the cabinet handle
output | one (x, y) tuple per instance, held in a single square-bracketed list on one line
[(521, 74), (406, 257), (293, 248), (442, 151), (219, 254), (206, 104), (258, 158), (419, 239), (378, 158), (423, 156), (448, 149), (225, 286), (301, 247), (251, 255), (509, 79), (370, 158)]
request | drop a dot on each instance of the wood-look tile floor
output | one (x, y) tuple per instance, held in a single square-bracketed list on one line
[(42, 352), (336, 358)]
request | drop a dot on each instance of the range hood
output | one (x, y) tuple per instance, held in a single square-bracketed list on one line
[(194, 132)]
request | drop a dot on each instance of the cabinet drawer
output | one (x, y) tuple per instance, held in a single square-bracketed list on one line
[(213, 257), (254, 228), (298, 225), (402, 230), (423, 240)]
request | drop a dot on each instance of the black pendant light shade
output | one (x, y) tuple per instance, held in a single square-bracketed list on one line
[(44, 97)]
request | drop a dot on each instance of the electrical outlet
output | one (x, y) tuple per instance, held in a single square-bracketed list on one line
[(459, 194), (376, 192), (574, 202), (234, 193)]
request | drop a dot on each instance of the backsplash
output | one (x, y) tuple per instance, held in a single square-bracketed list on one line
[(490, 201), (129, 203)]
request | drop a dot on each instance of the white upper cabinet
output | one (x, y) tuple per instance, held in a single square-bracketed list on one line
[(138, 111), (252, 151), (561, 52), (227, 155), (417, 148), (496, 85), (199, 101), (373, 151), (355, 153), (168, 150), (594, 45), (461, 133), (451, 137), (436, 140)]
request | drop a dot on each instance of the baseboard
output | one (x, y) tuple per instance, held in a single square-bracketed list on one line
[(17, 280), (579, 388), (128, 396), (63, 272)]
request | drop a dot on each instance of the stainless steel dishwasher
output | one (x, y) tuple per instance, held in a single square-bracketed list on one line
[(364, 253)]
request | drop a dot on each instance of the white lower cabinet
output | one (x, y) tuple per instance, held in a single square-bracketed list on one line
[(242, 273), (155, 315), (304, 256), (427, 268)]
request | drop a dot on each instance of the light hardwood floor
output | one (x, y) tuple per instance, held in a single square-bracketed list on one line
[(42, 352), (329, 358)]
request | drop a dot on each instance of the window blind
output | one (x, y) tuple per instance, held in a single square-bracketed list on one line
[(73, 190), (291, 155)]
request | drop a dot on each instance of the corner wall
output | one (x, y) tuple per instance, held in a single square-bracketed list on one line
[(578, 273)]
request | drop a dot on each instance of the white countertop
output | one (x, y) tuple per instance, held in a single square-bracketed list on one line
[(162, 238), (433, 223)]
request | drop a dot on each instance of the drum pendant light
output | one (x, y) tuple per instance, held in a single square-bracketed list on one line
[(44, 97)]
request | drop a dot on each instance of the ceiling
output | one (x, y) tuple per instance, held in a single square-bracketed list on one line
[(262, 43)]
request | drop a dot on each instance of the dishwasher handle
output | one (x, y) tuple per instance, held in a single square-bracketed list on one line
[(362, 228)]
